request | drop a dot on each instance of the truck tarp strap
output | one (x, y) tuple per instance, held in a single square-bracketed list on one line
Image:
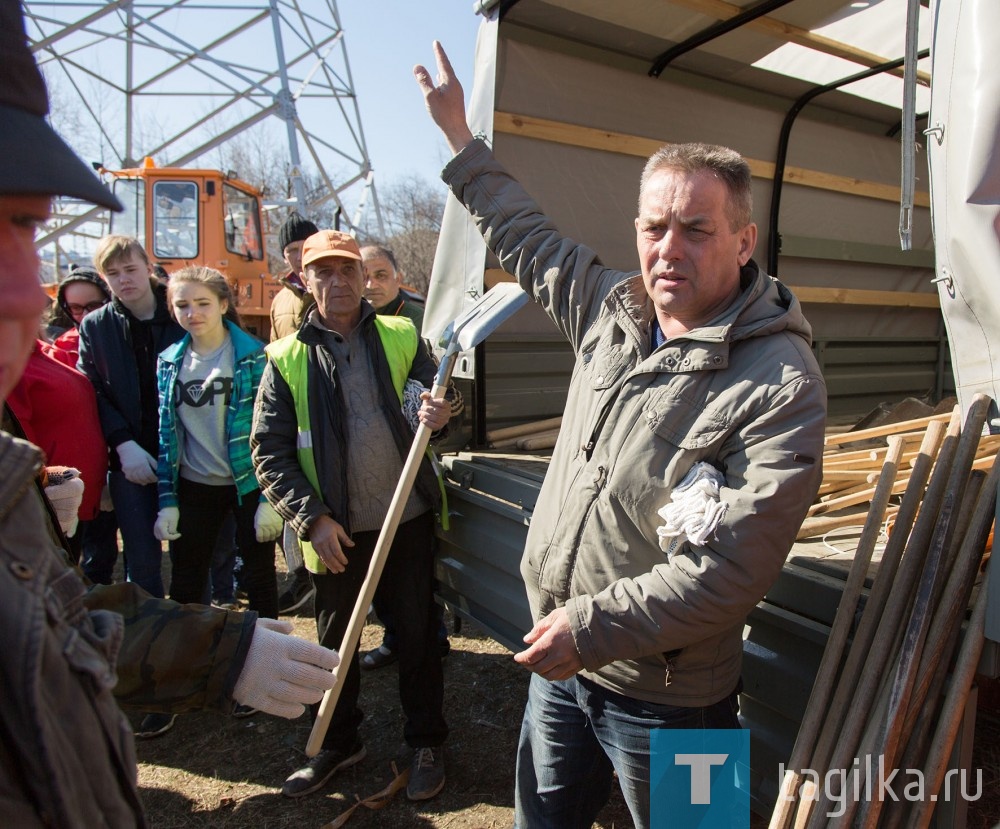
[(908, 182)]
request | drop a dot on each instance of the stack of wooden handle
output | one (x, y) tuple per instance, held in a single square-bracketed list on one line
[(850, 475), (540, 434), (886, 696)]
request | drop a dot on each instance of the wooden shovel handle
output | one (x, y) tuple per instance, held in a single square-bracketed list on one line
[(353, 633)]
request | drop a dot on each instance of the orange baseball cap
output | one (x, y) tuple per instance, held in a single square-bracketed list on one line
[(329, 243)]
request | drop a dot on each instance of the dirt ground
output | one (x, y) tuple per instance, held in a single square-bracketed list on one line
[(220, 772)]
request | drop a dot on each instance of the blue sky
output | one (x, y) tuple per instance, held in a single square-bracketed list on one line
[(384, 39)]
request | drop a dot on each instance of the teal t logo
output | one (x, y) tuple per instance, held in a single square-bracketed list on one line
[(699, 779)]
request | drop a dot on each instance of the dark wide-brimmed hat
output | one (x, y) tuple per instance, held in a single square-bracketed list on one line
[(34, 160)]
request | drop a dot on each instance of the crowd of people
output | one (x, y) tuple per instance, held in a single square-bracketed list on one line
[(697, 366), (169, 394)]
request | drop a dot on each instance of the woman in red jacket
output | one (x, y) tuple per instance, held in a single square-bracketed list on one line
[(57, 410)]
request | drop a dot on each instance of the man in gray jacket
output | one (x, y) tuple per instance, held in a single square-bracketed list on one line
[(695, 403)]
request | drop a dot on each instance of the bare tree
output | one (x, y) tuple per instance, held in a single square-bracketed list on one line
[(259, 157), (412, 210)]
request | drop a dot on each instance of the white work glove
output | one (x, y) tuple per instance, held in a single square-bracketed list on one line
[(165, 528), (64, 489), (137, 464), (695, 509), (266, 522), (283, 674)]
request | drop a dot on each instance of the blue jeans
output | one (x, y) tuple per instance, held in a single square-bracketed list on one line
[(136, 506), (575, 733)]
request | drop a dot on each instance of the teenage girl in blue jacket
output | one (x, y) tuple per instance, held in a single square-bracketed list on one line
[(207, 385)]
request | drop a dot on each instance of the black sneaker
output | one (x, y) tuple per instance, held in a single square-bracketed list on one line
[(154, 725), (321, 768), (295, 596), (426, 774), (378, 658)]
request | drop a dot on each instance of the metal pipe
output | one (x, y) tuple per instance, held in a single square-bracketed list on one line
[(714, 31), (774, 239)]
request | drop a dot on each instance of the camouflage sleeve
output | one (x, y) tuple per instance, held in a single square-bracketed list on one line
[(174, 658)]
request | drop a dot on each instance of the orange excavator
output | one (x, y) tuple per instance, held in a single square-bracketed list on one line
[(200, 217)]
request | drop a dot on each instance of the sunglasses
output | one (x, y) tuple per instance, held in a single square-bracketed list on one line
[(86, 309)]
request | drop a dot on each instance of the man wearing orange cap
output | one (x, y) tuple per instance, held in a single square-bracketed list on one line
[(67, 756), (329, 441)]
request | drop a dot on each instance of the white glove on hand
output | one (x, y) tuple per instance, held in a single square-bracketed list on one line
[(266, 522), (165, 528), (283, 673), (65, 492), (137, 464)]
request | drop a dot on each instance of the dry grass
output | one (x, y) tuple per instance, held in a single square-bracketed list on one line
[(220, 772), (225, 773), (985, 812)]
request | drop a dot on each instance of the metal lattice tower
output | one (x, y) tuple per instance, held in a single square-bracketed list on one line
[(182, 81)]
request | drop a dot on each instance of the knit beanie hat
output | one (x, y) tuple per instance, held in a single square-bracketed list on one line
[(81, 273), (295, 229)]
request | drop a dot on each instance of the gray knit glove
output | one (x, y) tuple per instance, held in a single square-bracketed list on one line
[(411, 402)]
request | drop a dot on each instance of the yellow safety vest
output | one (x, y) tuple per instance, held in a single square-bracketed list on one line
[(289, 355)]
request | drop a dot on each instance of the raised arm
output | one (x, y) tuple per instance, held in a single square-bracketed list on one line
[(446, 101)]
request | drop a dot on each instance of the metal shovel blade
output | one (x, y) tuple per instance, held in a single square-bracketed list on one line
[(491, 310)]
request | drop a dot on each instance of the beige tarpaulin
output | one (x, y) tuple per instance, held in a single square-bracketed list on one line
[(964, 160), (457, 276)]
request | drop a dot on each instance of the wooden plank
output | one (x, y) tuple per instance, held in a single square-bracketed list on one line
[(721, 10), (846, 474), (860, 296), (524, 429), (574, 135), (494, 276), (887, 429), (843, 250), (907, 352)]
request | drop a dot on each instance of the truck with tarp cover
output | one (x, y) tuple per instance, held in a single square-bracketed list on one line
[(872, 131)]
